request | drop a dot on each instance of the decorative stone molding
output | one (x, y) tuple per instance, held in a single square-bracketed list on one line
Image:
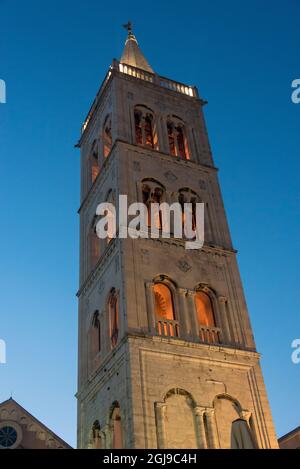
[(183, 265), (171, 177)]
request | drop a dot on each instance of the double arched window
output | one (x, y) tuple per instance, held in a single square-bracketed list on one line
[(113, 312), (107, 136), (199, 319), (178, 145), (152, 192), (144, 127)]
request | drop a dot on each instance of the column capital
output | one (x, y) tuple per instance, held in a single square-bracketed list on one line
[(222, 299), (160, 405), (199, 410), (245, 415), (182, 291), (210, 411), (191, 293)]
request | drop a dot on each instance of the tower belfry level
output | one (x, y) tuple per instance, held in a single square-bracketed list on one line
[(167, 357)]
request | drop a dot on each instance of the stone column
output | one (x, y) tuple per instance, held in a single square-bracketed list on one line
[(150, 307), (200, 427), (160, 411), (212, 429), (108, 436), (184, 323), (226, 335), (194, 331)]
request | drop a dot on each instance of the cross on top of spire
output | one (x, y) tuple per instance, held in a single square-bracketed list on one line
[(128, 26), (132, 54)]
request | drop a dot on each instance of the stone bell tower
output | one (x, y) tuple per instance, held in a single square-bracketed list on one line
[(167, 357)]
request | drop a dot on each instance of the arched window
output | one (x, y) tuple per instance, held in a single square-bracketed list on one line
[(188, 196), (113, 308), (95, 439), (164, 308), (177, 424), (116, 428), (94, 246), (204, 309), (152, 192), (144, 127), (96, 334), (111, 199), (177, 138), (94, 166), (164, 311), (107, 137)]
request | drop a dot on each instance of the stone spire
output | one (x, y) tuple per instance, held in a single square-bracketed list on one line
[(132, 54)]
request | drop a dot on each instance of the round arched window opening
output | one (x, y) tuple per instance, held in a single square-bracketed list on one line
[(204, 309), (164, 308), (8, 436)]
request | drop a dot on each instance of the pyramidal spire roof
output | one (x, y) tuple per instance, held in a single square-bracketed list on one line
[(132, 54)]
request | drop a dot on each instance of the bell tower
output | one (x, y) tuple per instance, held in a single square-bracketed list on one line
[(167, 357)]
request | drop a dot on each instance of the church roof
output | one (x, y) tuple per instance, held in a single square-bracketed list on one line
[(132, 54), (12, 411)]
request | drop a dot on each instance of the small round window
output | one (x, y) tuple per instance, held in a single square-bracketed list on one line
[(8, 436)]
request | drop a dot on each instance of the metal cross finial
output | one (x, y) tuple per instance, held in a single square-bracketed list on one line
[(128, 26)]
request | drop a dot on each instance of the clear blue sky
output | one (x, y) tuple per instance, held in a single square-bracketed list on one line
[(54, 55)]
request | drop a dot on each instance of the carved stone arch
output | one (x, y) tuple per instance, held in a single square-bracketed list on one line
[(95, 436), (214, 321), (106, 135), (166, 306), (93, 164), (139, 105), (227, 410), (176, 422), (182, 392), (115, 426), (166, 279), (113, 316), (174, 116), (93, 244), (115, 404), (94, 341), (227, 396), (190, 190), (154, 181)]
